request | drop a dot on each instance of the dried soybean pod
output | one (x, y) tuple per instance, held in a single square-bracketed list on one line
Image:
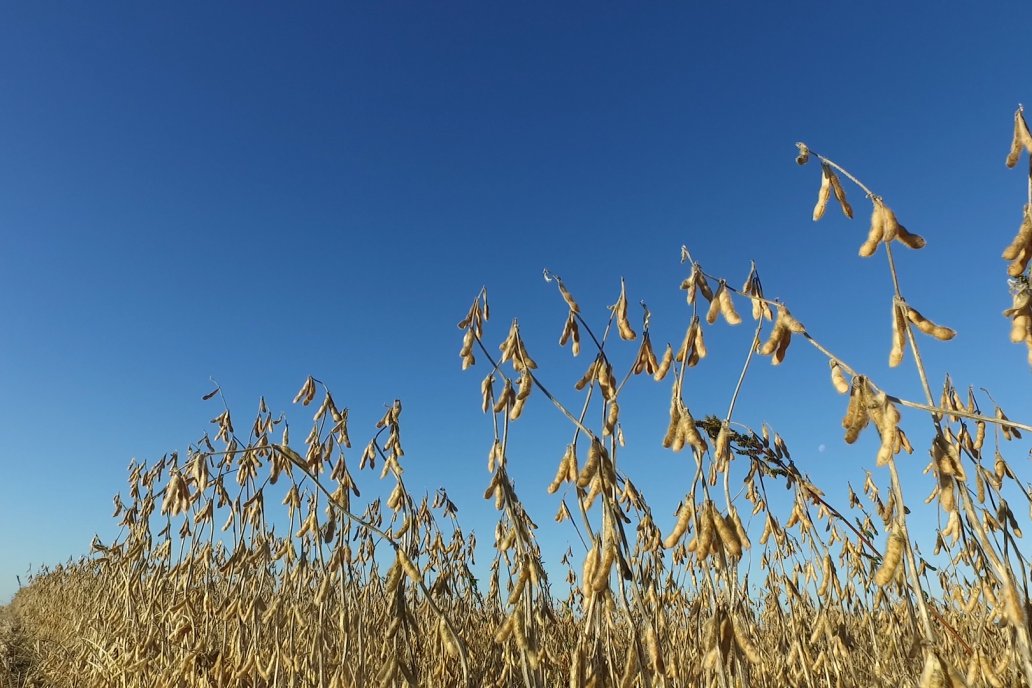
[(689, 341), (571, 332), (684, 518), (567, 297), (487, 391), (892, 227), (700, 348), (605, 566), (890, 562), (728, 534), (824, 194), (888, 421), (928, 327), (714, 306), (645, 361), (563, 473), (611, 418), (898, 337), (623, 325), (592, 464), (909, 239), (838, 379), (675, 420), (979, 435), (779, 353), (1020, 249), (690, 433), (1022, 139), (743, 535), (706, 531), (877, 231), (590, 374), (1022, 238), (840, 193), (856, 417), (727, 306), (588, 572), (702, 282), (777, 332), (664, 364)]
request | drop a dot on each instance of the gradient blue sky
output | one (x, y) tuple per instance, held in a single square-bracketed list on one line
[(256, 193)]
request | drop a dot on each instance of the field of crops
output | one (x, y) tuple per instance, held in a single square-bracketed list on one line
[(253, 560)]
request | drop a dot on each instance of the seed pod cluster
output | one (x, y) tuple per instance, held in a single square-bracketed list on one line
[(1020, 313), (514, 350), (681, 429), (601, 372), (1008, 431), (177, 495), (604, 565), (830, 183), (571, 333), (645, 361), (696, 284), (723, 305), (781, 336), (1020, 249), (526, 384), (606, 379), (1022, 139), (487, 392), (884, 228), (693, 348), (948, 469), (716, 534), (753, 288), (466, 352), (886, 419), (307, 392)]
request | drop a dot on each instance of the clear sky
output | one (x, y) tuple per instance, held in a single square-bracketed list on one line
[(255, 194)]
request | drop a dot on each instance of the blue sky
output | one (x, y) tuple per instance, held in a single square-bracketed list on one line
[(257, 194)]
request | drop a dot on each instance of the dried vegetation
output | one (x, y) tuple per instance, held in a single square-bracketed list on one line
[(252, 561)]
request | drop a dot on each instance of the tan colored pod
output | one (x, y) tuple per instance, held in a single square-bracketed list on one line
[(1022, 139), (876, 233), (838, 379), (898, 337), (823, 195), (664, 364), (727, 306), (891, 561), (840, 194), (909, 239), (928, 327)]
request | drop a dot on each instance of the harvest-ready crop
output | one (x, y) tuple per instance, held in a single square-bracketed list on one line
[(252, 560)]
